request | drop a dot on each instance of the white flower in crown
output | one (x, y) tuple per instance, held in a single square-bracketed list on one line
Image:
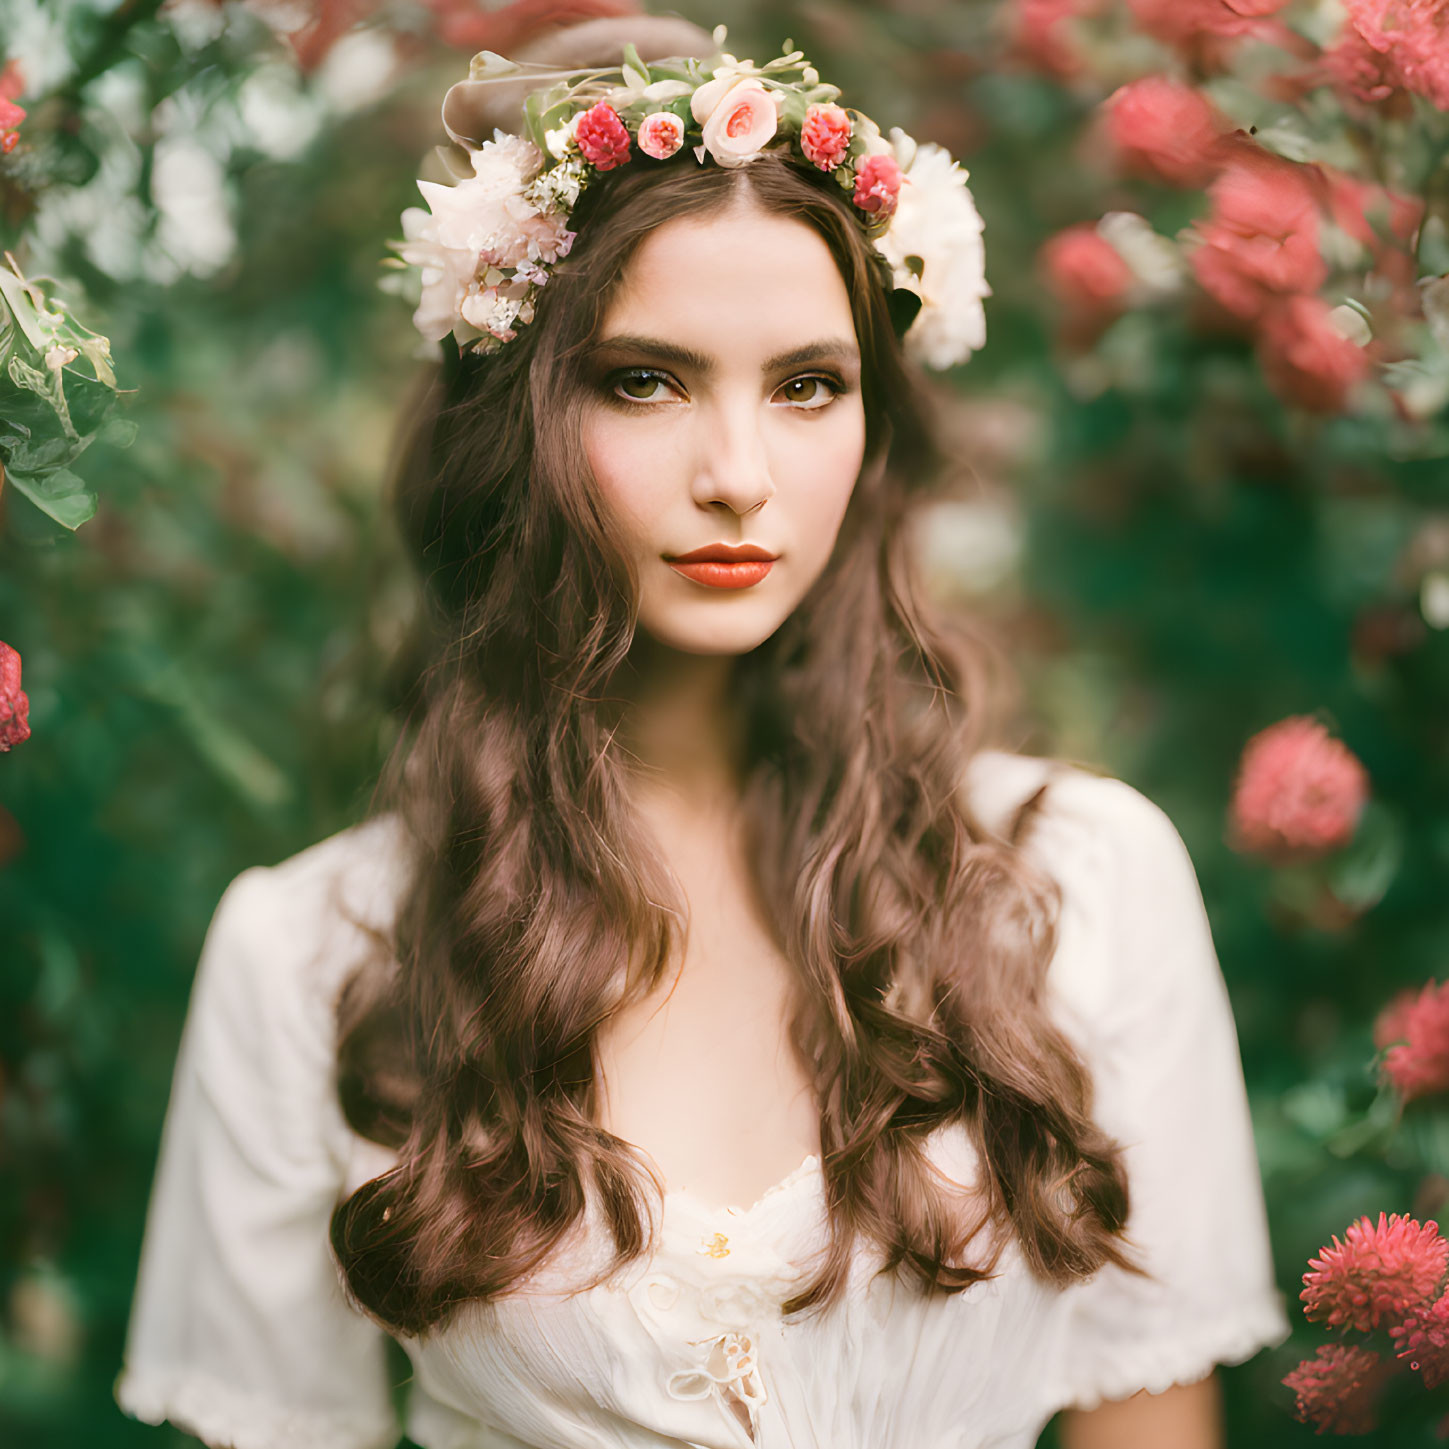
[(483, 223), (937, 224)]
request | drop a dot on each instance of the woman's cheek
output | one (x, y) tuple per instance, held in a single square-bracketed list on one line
[(626, 472)]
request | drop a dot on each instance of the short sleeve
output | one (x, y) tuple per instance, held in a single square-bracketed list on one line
[(240, 1332), (1135, 982)]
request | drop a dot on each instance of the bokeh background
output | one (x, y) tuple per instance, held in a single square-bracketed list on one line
[(1197, 495)]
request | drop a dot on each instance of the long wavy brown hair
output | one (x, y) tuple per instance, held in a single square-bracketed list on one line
[(536, 905)]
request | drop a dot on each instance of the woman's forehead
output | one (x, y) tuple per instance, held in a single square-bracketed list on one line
[(738, 276)]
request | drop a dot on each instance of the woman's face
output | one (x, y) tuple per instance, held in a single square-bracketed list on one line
[(726, 412)]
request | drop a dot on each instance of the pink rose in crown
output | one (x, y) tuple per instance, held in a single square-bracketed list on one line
[(603, 137), (825, 135), (736, 127), (14, 706), (877, 184), (661, 134)]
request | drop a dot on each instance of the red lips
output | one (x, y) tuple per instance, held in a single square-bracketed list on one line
[(724, 565), (724, 553)]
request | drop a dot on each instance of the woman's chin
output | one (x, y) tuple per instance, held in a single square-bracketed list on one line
[(737, 635)]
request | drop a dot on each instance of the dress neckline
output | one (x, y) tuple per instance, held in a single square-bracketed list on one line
[(685, 1197)]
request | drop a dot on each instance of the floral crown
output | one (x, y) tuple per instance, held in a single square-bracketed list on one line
[(486, 244)]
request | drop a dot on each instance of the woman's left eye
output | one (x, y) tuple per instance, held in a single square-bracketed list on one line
[(820, 391)]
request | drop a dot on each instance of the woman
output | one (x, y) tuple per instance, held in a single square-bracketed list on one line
[(695, 886)]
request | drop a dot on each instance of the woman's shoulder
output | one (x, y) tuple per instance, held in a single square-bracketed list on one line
[(354, 875), (284, 937), (1077, 809), (1132, 933)]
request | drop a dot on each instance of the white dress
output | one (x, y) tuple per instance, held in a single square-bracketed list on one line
[(241, 1334)]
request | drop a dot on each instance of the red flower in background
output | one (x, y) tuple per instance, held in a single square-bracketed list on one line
[(12, 84), (1260, 241), (1305, 359), (1354, 68), (1164, 130), (1299, 791), (1423, 1339), (1379, 1273), (14, 706), (1179, 21), (1338, 1388), (1355, 206), (1085, 271), (1413, 36), (1414, 1027), (1040, 35)]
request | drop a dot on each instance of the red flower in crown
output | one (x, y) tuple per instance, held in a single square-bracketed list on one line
[(825, 135), (877, 185), (603, 137), (14, 706), (1378, 1273)]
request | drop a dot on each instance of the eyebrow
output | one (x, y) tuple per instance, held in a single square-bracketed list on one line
[(828, 349)]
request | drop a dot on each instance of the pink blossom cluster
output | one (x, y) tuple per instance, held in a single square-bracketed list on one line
[(1258, 254), (1388, 1274), (1338, 1388), (1413, 1033), (1386, 45), (1378, 1274), (1299, 792), (14, 705), (1423, 1339)]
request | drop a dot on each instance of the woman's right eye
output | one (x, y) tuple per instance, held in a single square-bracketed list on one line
[(642, 378)]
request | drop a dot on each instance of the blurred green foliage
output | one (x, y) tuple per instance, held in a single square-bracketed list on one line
[(1176, 558)]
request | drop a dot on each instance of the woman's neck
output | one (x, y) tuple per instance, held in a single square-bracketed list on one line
[(680, 725)]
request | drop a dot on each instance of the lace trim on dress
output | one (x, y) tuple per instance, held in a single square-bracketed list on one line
[(807, 1168), (221, 1415), (1157, 1364)]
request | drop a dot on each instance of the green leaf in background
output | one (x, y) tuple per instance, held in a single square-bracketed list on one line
[(59, 493)]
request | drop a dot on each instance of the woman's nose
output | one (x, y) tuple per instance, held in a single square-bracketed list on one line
[(734, 465)]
